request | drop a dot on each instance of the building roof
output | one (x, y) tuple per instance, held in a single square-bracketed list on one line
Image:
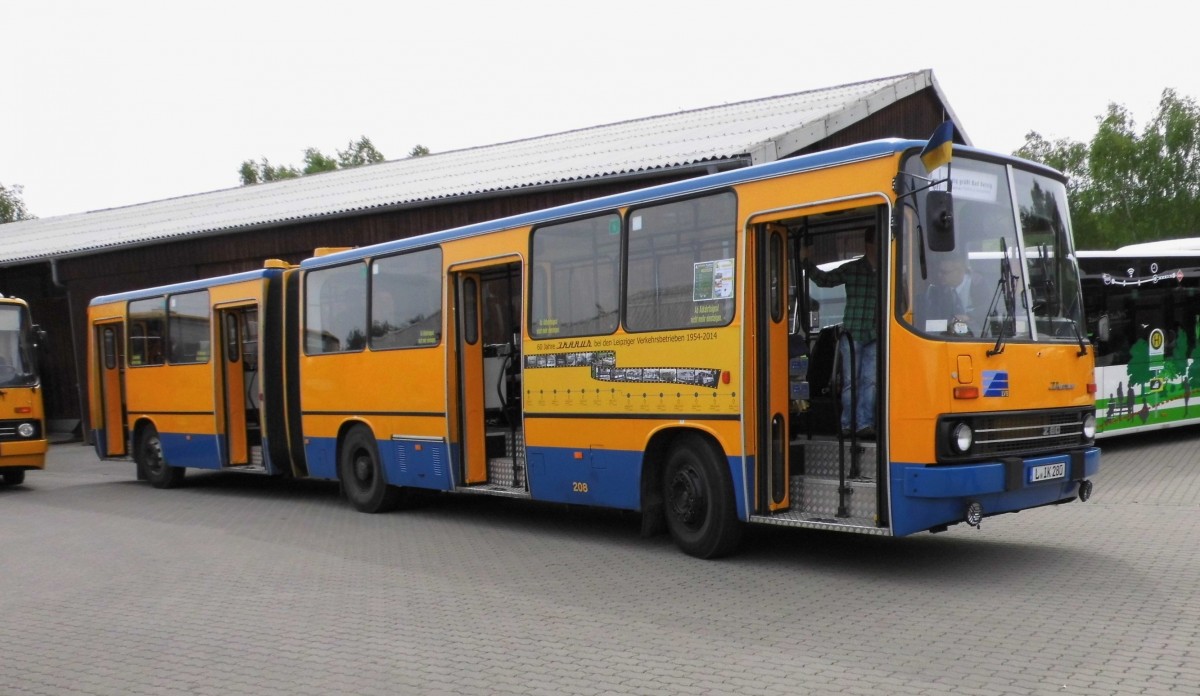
[(749, 132)]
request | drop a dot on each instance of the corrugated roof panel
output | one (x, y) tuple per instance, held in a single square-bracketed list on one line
[(672, 140)]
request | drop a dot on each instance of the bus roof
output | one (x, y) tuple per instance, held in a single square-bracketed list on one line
[(187, 286), (843, 155), (1189, 245)]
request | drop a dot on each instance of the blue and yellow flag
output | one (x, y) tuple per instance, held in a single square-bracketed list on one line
[(939, 148)]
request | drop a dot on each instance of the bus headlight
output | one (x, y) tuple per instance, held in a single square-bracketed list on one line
[(1089, 426), (26, 430), (961, 438)]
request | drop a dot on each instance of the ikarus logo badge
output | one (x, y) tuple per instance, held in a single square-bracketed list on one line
[(995, 382)]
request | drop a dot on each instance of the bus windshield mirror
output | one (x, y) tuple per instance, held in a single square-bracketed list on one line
[(939, 212)]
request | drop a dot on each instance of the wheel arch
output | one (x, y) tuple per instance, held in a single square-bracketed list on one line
[(654, 457), (344, 431), (135, 440)]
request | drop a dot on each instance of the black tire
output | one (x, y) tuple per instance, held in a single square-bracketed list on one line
[(361, 472), (14, 478), (698, 497), (149, 456)]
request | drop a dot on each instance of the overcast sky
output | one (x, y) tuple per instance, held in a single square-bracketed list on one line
[(121, 102)]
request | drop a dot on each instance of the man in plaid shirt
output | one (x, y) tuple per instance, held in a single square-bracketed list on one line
[(860, 322)]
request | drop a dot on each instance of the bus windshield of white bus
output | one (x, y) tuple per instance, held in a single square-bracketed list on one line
[(16, 348), (1012, 274)]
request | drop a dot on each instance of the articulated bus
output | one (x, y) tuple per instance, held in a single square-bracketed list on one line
[(1143, 310), (22, 420), (664, 351)]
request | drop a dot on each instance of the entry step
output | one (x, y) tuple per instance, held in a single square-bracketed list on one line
[(817, 496), (821, 457)]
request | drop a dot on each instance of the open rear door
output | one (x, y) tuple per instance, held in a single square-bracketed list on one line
[(110, 337), (469, 345), (233, 375)]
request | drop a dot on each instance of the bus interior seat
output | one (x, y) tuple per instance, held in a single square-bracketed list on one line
[(822, 415)]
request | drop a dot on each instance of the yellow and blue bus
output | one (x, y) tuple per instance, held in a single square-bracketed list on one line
[(22, 419), (667, 351)]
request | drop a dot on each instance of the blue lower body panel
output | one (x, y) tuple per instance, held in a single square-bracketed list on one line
[(100, 443), (925, 497), (417, 463), (321, 455), (599, 477), (605, 478), (191, 451), (406, 462)]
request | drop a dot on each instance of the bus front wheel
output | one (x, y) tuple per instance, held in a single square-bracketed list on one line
[(362, 473), (149, 456), (14, 478), (698, 498)]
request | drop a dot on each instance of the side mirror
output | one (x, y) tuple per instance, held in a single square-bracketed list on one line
[(939, 220), (1102, 330)]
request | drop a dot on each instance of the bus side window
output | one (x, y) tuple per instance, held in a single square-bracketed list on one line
[(682, 266), (147, 323), (574, 261)]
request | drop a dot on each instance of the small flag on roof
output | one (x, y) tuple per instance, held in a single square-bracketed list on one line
[(939, 148)]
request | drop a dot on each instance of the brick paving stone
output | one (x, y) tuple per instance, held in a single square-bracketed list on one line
[(242, 585)]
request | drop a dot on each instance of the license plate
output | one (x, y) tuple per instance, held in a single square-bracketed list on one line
[(1047, 472)]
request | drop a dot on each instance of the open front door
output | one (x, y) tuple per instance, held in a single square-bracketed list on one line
[(111, 356), (473, 447), (772, 355)]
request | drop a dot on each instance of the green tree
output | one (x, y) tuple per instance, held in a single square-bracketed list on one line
[(418, 151), (357, 153), (260, 172), (12, 206), (316, 161), (1128, 186)]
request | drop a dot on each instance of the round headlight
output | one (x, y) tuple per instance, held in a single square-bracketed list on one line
[(961, 438), (25, 430), (1089, 426)]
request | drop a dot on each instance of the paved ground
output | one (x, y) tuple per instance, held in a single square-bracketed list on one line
[(240, 585)]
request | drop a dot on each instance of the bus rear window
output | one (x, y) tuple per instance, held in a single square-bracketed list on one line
[(335, 310), (681, 264)]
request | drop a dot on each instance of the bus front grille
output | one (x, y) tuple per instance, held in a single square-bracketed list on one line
[(1014, 433), (8, 430)]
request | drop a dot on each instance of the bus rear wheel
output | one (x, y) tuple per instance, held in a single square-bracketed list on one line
[(362, 474), (698, 498), (14, 478), (149, 456)]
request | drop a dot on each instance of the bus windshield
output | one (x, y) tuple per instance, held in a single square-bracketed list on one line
[(16, 348), (1012, 274)]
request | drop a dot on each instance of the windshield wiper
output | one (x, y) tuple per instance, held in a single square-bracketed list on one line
[(1008, 286), (1079, 337)]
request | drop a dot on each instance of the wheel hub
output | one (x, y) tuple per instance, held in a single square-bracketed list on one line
[(362, 469), (687, 497)]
